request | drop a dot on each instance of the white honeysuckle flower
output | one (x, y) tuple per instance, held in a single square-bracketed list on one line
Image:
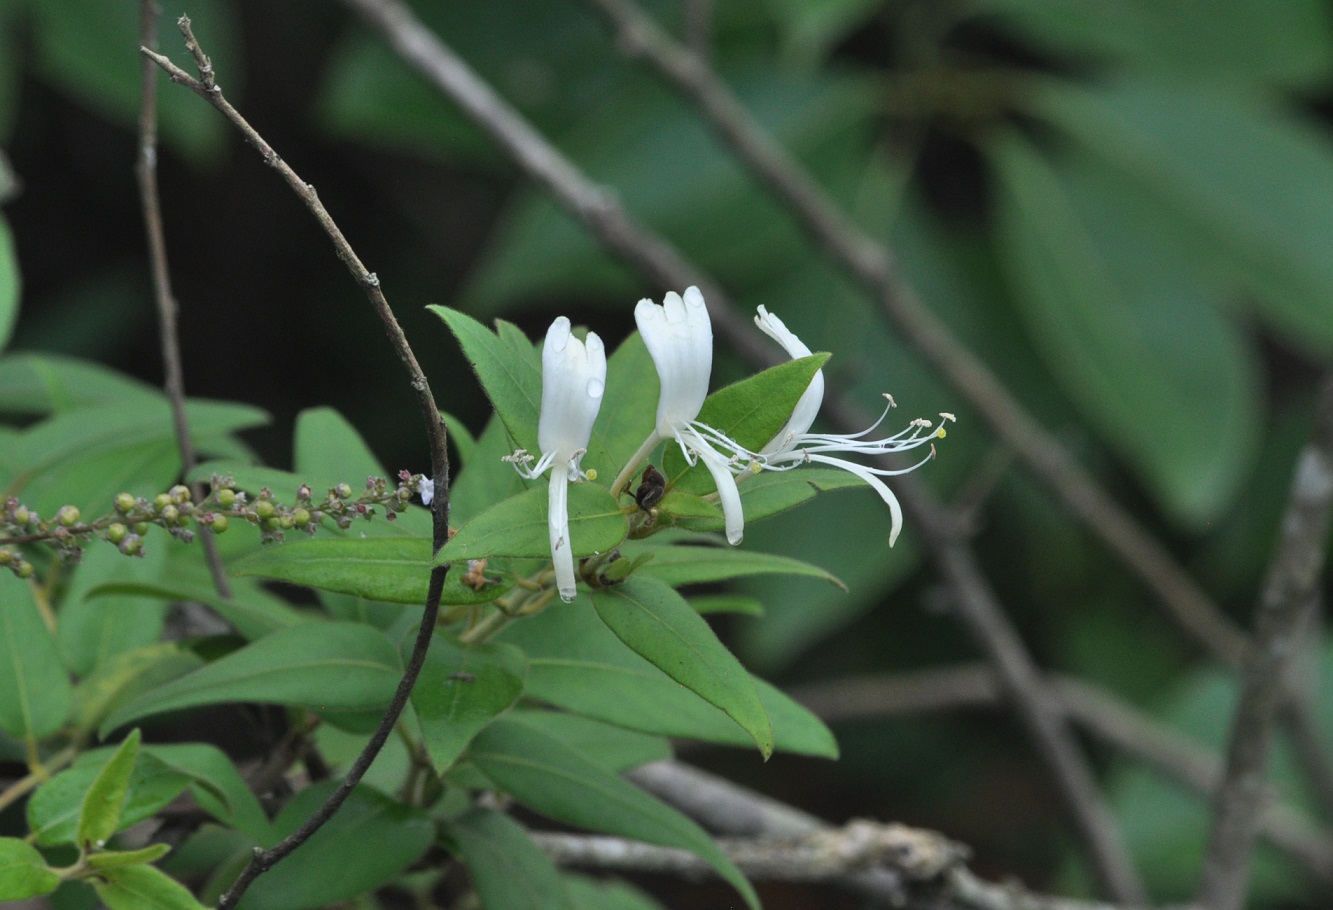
[(679, 338), (795, 445), (573, 383)]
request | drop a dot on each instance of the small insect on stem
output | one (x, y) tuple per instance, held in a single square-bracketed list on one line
[(652, 485), (462, 677)]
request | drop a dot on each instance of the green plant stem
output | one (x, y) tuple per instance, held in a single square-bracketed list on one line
[(40, 773), (638, 458)]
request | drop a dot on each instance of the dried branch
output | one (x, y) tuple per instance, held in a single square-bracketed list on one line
[(1284, 614), (911, 867), (207, 88), (599, 211), (1101, 714), (145, 171), (872, 265)]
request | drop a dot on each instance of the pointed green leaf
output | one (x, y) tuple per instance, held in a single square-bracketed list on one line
[(689, 565), (99, 816), (369, 841), (727, 603), (389, 569), (508, 869), (110, 859), (321, 665), (518, 526), (216, 785), (142, 888), (555, 779), (252, 610), (615, 747), (9, 283), (34, 685), (512, 381), (658, 625), (125, 676), (327, 445), (55, 809), (461, 689), (577, 663), (23, 871), (751, 412)]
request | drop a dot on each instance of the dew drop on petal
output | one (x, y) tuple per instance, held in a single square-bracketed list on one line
[(595, 388)]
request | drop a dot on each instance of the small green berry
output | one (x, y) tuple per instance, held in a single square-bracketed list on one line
[(344, 490), (179, 493), (68, 516), (124, 503), (170, 514), (24, 570), (264, 509), (22, 516), (141, 528), (225, 498), (218, 524), (301, 517), (116, 532), (131, 545), (271, 524), (161, 501), (7, 556)]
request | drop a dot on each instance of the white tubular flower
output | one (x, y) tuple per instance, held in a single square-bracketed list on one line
[(794, 445), (573, 382), (679, 338)]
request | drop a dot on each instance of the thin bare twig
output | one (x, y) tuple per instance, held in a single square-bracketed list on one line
[(871, 264), (207, 88), (145, 171), (602, 214), (1100, 713), (1283, 615)]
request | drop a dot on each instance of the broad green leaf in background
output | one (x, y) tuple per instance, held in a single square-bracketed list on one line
[(1248, 43), (708, 604), (518, 526), (508, 869), (33, 383), (23, 871), (461, 689), (1138, 341), (1245, 188), (657, 624), (577, 663), (34, 684), (252, 610), (99, 815), (216, 785), (751, 412), (321, 665), (688, 565), (551, 777), (125, 676), (93, 630), (617, 748), (389, 569), (513, 384), (55, 809), (369, 841), (608, 894), (9, 283), (328, 446), (142, 888)]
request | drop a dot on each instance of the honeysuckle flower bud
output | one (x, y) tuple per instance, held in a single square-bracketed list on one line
[(573, 383), (679, 338), (795, 445)]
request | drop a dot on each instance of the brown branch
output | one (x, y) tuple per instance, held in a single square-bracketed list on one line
[(145, 171), (1284, 614), (207, 88), (867, 260), (601, 213), (928, 870), (1101, 714)]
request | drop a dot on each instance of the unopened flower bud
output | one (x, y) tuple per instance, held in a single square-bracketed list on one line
[(132, 545), (180, 493), (344, 490)]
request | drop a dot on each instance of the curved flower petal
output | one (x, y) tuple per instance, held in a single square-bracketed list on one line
[(562, 555), (719, 465), (807, 407), (679, 338)]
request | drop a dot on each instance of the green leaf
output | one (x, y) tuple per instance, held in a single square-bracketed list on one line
[(368, 842), (577, 663), (518, 526), (508, 869), (1136, 339), (1245, 189), (727, 603), (92, 630), (216, 785), (751, 412), (617, 748), (23, 871), (252, 610), (9, 283), (461, 689), (99, 816), (110, 859), (320, 665), (142, 888), (389, 569), (327, 445), (34, 685), (598, 894), (42, 383), (551, 777), (658, 625), (125, 676), (513, 384), (766, 494), (55, 810), (689, 565)]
